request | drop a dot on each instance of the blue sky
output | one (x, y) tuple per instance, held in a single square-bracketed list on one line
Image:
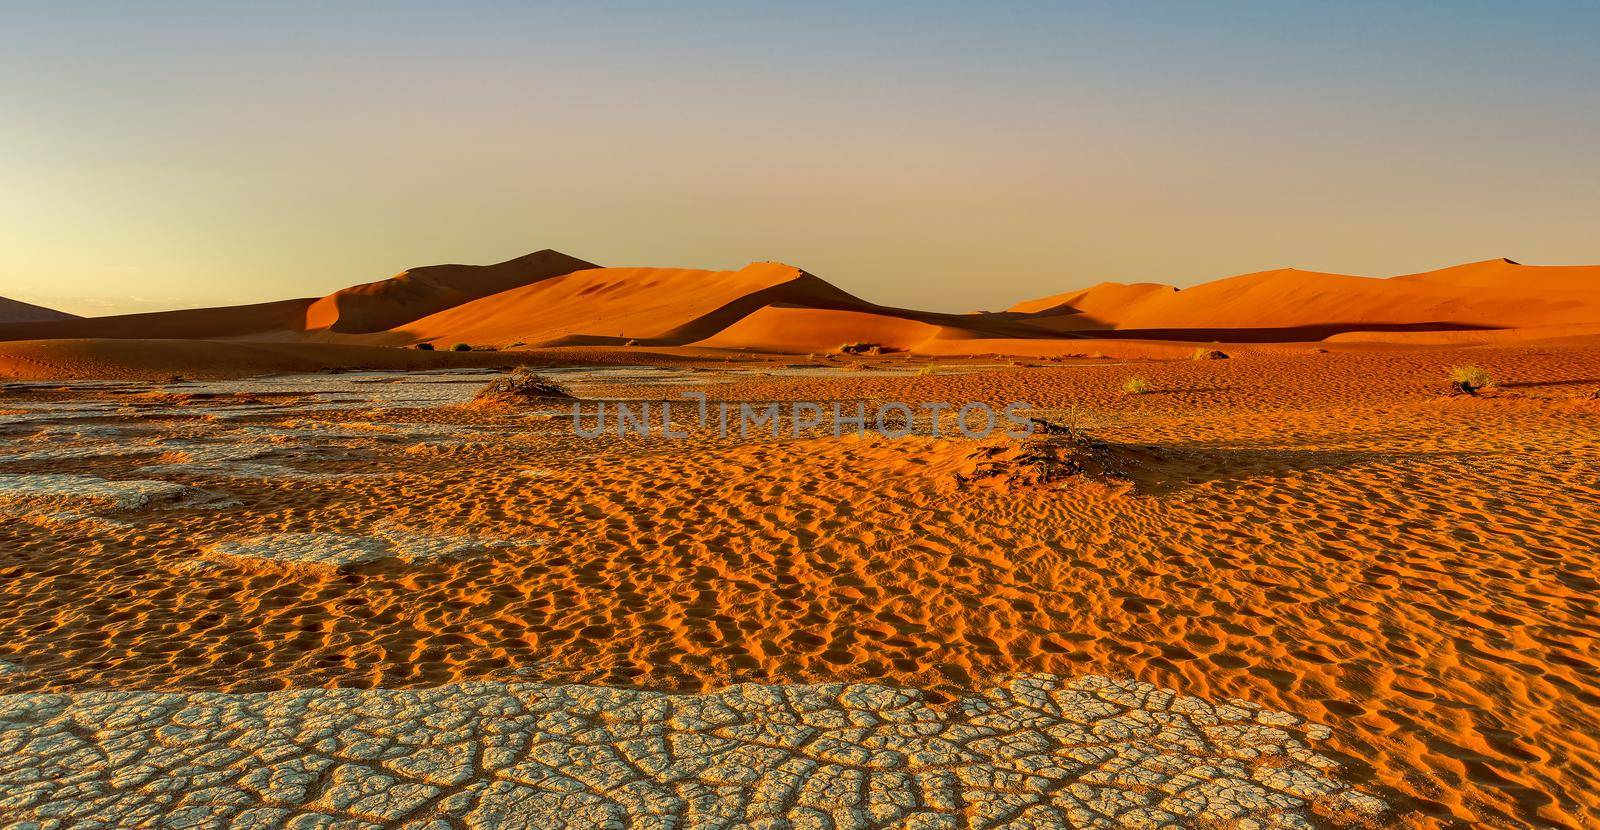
[(943, 155)]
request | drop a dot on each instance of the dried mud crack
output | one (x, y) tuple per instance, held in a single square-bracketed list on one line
[(1038, 752)]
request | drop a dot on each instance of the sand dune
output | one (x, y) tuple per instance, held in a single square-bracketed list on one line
[(798, 330), (767, 306), (1096, 303), (1290, 304), (419, 292), (187, 324), (615, 305), (16, 311), (549, 299), (1513, 277), (374, 306)]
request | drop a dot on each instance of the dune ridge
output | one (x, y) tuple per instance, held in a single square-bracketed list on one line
[(548, 299)]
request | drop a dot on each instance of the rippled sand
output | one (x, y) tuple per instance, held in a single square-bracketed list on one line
[(1323, 535)]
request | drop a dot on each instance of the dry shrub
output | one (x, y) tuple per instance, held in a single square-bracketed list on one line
[(1053, 454), (522, 386), (1467, 380)]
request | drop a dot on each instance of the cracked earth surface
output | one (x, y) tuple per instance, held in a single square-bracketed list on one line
[(1038, 752)]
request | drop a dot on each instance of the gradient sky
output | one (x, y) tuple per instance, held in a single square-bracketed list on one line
[(951, 156)]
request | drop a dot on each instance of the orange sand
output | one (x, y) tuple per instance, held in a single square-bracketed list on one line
[(1319, 533)]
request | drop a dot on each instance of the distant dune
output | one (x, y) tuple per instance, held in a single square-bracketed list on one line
[(371, 307), (17, 311), (550, 299), (1293, 305), (259, 319)]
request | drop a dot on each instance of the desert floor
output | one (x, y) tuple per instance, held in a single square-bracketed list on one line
[(1325, 536)]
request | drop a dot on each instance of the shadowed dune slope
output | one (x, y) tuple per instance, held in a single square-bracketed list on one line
[(185, 324), (16, 311), (419, 292)]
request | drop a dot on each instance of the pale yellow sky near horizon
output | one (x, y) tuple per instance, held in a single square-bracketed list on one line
[(952, 159)]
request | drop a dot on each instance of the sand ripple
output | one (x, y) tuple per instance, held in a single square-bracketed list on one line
[(1321, 534)]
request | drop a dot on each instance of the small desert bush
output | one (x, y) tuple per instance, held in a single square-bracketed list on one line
[(520, 386), (859, 348), (1470, 379), (1204, 353), (461, 347), (1135, 386), (424, 347)]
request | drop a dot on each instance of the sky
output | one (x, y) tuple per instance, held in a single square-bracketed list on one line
[(947, 156)]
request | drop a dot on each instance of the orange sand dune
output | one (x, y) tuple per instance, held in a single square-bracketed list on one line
[(1289, 304), (551, 299), (1513, 277), (765, 305), (371, 307), (418, 292), (614, 305), (797, 330), (1094, 304), (16, 311)]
